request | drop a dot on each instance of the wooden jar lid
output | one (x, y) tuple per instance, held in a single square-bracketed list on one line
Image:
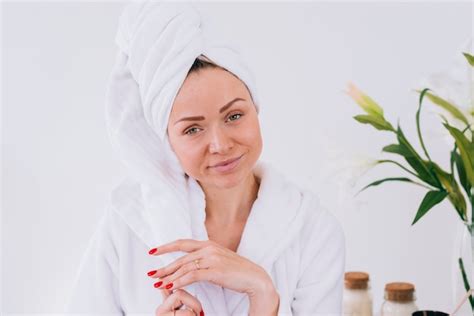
[(399, 292), (356, 280)]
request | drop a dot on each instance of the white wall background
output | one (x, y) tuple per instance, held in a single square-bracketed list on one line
[(58, 166)]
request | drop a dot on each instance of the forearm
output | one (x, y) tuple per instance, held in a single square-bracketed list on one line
[(265, 301)]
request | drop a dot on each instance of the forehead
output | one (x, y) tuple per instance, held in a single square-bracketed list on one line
[(207, 89)]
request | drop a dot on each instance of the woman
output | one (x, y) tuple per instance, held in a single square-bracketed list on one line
[(200, 219)]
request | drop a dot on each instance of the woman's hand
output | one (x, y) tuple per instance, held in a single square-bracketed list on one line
[(220, 266), (172, 301)]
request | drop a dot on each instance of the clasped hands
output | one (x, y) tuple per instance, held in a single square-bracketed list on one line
[(209, 261)]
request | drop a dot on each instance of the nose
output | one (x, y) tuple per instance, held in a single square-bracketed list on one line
[(220, 142)]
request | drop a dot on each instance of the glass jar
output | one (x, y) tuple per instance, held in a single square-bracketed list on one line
[(357, 300), (399, 299)]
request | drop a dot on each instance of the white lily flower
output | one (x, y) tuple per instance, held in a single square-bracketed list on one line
[(455, 84), (344, 170), (347, 168)]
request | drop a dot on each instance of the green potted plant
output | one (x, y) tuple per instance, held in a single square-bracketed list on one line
[(455, 184)]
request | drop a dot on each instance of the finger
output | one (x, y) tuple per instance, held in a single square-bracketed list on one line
[(165, 293), (163, 309), (178, 263), (179, 312), (181, 297), (188, 267), (192, 277), (185, 245), (185, 312)]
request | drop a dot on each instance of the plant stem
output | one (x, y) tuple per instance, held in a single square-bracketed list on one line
[(470, 227), (466, 282), (471, 197)]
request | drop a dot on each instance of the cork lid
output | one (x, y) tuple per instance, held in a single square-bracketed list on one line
[(399, 292), (356, 280)]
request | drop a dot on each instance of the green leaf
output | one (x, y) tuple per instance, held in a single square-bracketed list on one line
[(469, 58), (418, 128), (466, 150), (454, 193), (376, 121), (397, 164), (396, 149), (431, 199), (385, 180), (416, 162), (451, 108), (461, 171)]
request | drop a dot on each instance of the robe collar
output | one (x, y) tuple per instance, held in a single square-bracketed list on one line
[(275, 219)]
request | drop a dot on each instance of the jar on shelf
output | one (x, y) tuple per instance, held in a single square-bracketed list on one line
[(399, 299), (357, 300)]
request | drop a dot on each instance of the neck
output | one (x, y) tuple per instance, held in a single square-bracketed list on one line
[(225, 207)]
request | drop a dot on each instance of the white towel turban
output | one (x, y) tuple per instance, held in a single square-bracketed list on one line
[(158, 43)]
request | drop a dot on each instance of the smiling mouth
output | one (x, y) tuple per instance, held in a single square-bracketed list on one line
[(229, 167), (228, 163)]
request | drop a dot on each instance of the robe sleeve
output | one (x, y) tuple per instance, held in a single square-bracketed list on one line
[(321, 275), (95, 290)]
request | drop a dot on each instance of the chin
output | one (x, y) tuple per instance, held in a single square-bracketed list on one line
[(228, 184), (231, 180), (226, 181)]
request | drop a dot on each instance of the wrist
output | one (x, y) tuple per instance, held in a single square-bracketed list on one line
[(264, 299)]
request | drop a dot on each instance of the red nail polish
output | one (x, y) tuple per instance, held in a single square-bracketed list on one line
[(158, 284), (201, 313), (151, 272), (152, 251), (169, 286)]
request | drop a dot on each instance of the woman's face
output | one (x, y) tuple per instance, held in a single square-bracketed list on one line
[(214, 119)]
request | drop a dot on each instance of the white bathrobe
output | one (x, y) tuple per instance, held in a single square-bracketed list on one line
[(288, 233), (298, 242)]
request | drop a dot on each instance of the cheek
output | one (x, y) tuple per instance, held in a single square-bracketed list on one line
[(187, 153), (190, 155), (250, 133)]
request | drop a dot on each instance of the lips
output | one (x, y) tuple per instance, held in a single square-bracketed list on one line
[(226, 162)]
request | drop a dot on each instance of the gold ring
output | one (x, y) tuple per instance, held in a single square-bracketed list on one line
[(196, 262)]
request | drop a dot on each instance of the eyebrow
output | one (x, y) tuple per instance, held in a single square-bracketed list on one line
[(201, 118)]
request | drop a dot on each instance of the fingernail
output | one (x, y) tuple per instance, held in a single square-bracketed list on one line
[(152, 251), (151, 272), (158, 284), (201, 313), (169, 286)]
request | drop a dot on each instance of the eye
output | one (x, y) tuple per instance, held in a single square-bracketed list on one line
[(235, 115), (187, 132)]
